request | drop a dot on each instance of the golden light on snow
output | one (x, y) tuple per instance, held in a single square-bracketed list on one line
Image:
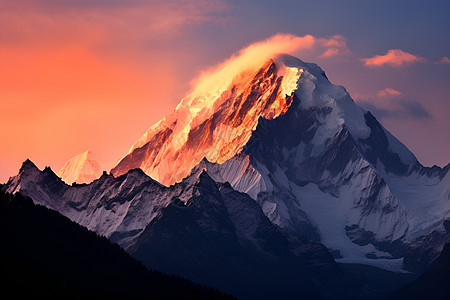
[(217, 79), (290, 79), (80, 169), (215, 124), (220, 113)]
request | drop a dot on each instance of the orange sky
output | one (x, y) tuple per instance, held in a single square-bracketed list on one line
[(72, 80), (94, 75), (60, 102)]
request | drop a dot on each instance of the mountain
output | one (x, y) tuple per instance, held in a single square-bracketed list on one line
[(222, 238), (82, 168), (199, 229), (117, 208), (433, 283), (318, 165), (258, 171), (214, 124), (45, 255)]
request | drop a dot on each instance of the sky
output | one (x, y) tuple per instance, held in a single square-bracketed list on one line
[(95, 75)]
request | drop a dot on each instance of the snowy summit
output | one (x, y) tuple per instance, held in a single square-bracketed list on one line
[(82, 168)]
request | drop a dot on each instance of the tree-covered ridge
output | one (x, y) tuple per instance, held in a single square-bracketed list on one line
[(44, 254)]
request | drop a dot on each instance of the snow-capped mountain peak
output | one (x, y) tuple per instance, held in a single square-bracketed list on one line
[(298, 145), (214, 123), (82, 168), (317, 164)]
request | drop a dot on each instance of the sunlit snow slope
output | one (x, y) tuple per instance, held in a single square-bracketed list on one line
[(80, 169), (215, 124)]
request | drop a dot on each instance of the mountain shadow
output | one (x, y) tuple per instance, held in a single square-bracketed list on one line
[(433, 283)]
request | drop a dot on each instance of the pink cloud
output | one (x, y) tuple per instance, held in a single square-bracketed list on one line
[(335, 46), (444, 60), (330, 53), (393, 58), (389, 92), (336, 41)]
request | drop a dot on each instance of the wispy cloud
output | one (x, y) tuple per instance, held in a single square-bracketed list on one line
[(334, 46), (389, 103), (404, 110), (389, 92), (254, 55), (251, 57), (393, 58), (444, 60), (118, 22), (174, 15)]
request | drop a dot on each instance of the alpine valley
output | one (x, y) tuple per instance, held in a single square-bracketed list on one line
[(266, 184)]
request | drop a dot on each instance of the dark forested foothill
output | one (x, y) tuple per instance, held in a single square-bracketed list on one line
[(44, 254)]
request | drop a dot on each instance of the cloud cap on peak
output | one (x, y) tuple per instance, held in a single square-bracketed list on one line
[(249, 58)]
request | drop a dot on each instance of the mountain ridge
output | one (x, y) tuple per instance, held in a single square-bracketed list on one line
[(319, 167), (132, 199)]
